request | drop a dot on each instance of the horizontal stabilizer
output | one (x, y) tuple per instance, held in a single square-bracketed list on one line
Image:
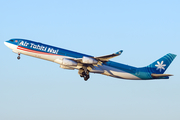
[(160, 75)]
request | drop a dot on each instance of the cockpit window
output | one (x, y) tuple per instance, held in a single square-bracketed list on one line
[(12, 40)]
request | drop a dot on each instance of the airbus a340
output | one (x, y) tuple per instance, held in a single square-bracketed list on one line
[(86, 64)]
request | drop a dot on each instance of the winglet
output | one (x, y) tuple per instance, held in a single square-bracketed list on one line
[(119, 52)]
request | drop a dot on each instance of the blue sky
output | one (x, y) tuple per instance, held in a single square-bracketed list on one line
[(36, 89)]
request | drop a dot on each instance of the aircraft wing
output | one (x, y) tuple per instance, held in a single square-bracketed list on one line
[(88, 62), (104, 58)]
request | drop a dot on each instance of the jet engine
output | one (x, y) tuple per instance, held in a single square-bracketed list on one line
[(88, 60), (66, 67), (66, 62)]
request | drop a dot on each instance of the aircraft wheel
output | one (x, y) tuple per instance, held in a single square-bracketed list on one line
[(82, 74), (18, 57), (86, 77)]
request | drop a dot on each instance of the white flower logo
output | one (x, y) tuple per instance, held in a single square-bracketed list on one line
[(160, 66)]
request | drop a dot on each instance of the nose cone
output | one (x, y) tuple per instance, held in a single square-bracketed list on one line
[(9, 45), (6, 43)]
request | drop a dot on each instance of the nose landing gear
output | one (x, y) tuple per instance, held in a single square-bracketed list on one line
[(18, 56)]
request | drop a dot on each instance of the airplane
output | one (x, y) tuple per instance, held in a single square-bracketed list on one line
[(86, 64)]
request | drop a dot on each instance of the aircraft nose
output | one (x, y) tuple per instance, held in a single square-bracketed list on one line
[(5, 43)]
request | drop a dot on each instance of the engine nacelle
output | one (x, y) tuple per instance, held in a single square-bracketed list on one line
[(66, 62), (88, 60), (66, 67)]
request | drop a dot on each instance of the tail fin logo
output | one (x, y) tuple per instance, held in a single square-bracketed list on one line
[(160, 66)]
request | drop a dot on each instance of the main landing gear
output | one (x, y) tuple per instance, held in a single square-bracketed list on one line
[(18, 56), (84, 73)]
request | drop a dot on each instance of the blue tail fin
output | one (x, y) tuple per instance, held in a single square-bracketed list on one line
[(160, 66)]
